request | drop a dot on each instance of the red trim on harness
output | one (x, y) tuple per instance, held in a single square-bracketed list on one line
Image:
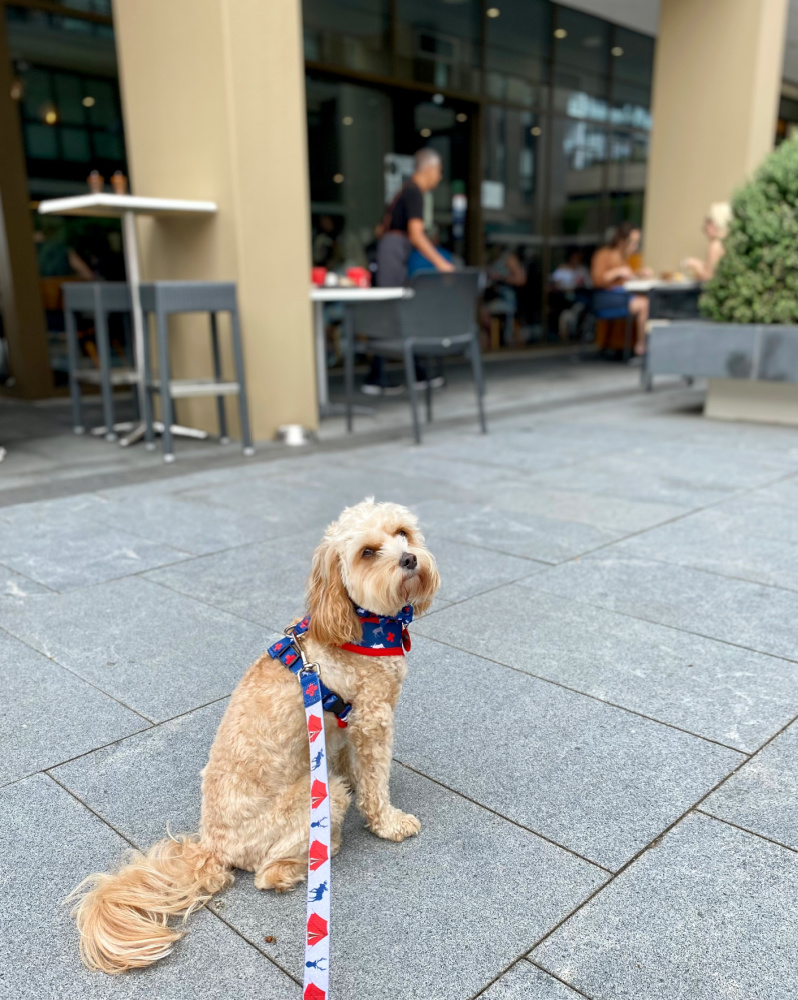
[(371, 651)]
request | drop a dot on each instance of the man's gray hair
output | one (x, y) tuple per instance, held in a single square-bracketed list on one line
[(426, 157)]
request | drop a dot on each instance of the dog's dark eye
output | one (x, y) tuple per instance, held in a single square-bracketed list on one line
[(402, 532), (367, 553)]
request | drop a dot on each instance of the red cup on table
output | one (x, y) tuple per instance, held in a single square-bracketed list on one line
[(318, 274), (359, 276)]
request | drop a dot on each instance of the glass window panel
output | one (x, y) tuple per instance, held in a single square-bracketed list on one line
[(68, 98), (581, 45), (104, 111), (37, 96), (512, 192), (517, 45), (108, 146), (626, 175), (576, 186), (41, 142), (438, 42), (632, 69), (351, 33), (75, 144)]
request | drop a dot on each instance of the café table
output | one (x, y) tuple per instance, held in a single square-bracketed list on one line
[(348, 297), (126, 207), (642, 286)]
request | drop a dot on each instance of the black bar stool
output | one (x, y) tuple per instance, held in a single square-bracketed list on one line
[(163, 299), (99, 299)]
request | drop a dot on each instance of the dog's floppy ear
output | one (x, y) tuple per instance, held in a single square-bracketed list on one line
[(332, 617)]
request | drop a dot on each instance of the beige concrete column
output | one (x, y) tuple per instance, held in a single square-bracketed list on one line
[(717, 76), (214, 105), (20, 297)]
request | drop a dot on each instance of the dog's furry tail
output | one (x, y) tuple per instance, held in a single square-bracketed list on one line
[(123, 916)]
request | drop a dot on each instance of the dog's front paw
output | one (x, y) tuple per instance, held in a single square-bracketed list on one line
[(394, 824)]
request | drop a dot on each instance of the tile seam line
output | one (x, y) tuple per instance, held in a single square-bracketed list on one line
[(693, 808), (693, 568), (28, 578), (135, 846), (602, 701), (74, 673), (506, 819), (651, 621), (548, 972), (129, 736), (155, 473), (746, 829), (678, 517), (515, 962)]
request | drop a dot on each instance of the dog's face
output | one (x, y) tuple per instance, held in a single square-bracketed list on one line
[(374, 557)]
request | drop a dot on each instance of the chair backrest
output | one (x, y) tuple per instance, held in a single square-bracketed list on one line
[(444, 305)]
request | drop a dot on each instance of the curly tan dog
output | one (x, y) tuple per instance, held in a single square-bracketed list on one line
[(255, 788)]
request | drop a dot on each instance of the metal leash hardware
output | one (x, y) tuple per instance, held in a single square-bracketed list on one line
[(313, 668)]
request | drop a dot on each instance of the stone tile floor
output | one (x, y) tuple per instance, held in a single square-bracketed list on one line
[(598, 729)]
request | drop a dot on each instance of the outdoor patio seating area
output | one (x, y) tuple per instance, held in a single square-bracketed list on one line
[(597, 730)]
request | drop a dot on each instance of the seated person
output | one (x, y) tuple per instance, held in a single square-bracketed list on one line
[(610, 268), (571, 274), (716, 229)]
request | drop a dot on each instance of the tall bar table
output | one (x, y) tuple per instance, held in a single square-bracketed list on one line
[(126, 207)]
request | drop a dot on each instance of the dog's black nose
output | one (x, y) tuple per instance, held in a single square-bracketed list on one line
[(408, 561)]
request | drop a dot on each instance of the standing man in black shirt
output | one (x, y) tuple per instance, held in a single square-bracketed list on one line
[(403, 226), (403, 229)]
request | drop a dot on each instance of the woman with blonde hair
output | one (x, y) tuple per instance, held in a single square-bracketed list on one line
[(716, 229)]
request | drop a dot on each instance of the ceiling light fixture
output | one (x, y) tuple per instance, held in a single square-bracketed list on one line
[(462, 117), (348, 120), (88, 101), (493, 12), (338, 178), (560, 33), (426, 132), (616, 50), (50, 117), (536, 130)]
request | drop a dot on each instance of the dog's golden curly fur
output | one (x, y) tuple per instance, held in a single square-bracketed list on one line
[(255, 787)]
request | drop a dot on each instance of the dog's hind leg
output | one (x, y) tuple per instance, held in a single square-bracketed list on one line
[(286, 863)]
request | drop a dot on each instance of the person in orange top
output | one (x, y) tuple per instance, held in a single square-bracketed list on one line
[(610, 268)]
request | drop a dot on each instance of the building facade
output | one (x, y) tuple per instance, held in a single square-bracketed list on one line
[(300, 121)]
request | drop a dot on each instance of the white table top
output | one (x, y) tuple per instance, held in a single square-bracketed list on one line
[(648, 284), (113, 205), (345, 294)]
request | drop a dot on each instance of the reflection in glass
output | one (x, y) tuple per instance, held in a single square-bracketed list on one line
[(438, 42), (632, 69), (350, 33), (626, 176), (517, 45), (579, 154), (581, 63)]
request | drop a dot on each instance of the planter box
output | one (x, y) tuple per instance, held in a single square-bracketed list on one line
[(742, 362)]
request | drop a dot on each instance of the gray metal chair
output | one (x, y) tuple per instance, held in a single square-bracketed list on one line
[(99, 299), (165, 298), (439, 320)]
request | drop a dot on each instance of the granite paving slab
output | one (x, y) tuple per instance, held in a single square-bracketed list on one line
[(193, 527), (530, 536), (528, 450), (629, 477), (166, 760), (159, 652), (264, 582), (763, 795), (15, 585), (466, 570), (48, 715), (620, 516), (711, 912), (51, 842), (527, 982), (735, 696), (746, 538), (748, 614), (63, 544), (594, 778), (405, 923)]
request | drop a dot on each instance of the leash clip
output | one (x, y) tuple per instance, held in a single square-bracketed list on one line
[(307, 668)]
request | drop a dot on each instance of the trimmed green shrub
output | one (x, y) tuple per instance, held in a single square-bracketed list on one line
[(756, 280)]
